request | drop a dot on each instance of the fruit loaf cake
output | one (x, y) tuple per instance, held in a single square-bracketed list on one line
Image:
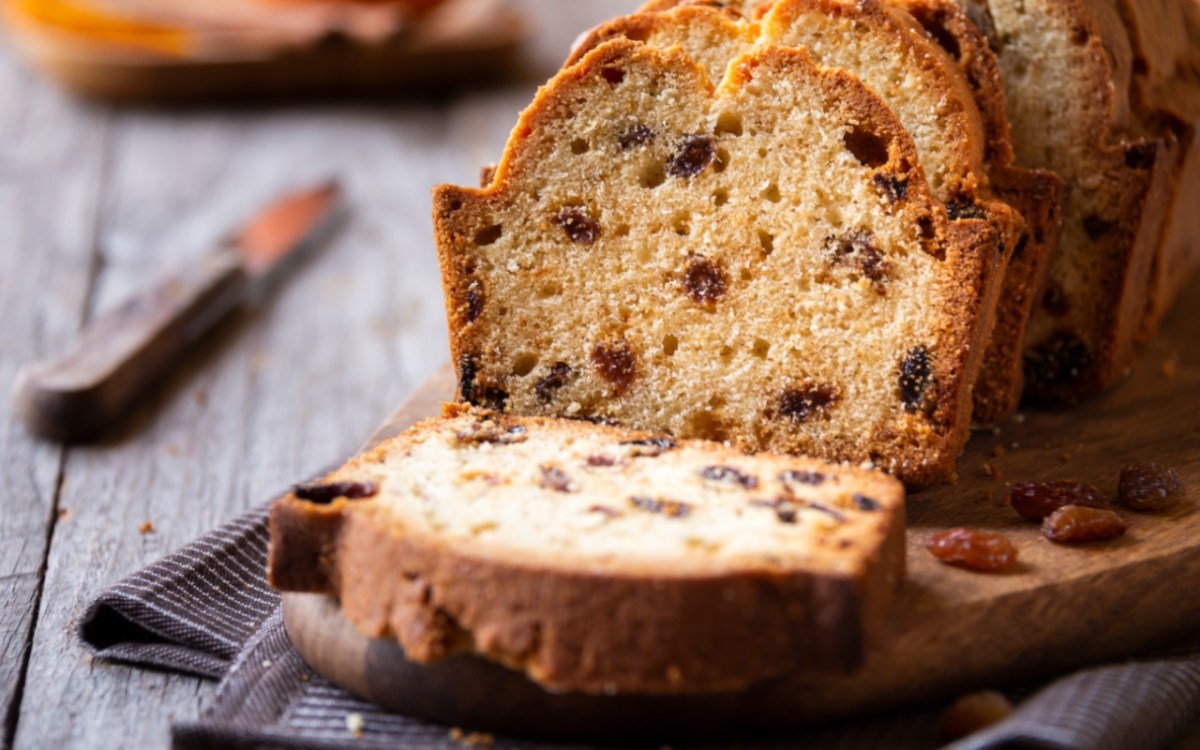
[(598, 559), (920, 82), (761, 263), (1067, 66)]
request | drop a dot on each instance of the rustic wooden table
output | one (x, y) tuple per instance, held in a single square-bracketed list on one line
[(95, 201)]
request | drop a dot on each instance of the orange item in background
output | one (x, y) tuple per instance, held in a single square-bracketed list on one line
[(76, 17)]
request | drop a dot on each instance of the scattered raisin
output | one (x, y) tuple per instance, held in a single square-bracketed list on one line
[(1148, 487), (638, 135), (1036, 500), (1097, 227), (605, 510), (1063, 359), (323, 493), (973, 713), (474, 301), (984, 551), (836, 515), (599, 460), (704, 280), (867, 504), (785, 508), (579, 225), (859, 249), (731, 475), (668, 508), (1078, 524), (616, 362), (1055, 301), (801, 404), (892, 187), (650, 447), (964, 208), (554, 478), (492, 432), (1140, 156), (916, 377), (551, 383), (694, 154), (801, 476)]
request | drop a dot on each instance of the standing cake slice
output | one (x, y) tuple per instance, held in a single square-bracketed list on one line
[(597, 559), (762, 263)]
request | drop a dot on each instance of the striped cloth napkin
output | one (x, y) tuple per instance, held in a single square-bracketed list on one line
[(207, 610)]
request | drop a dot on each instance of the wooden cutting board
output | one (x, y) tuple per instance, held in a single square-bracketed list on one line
[(951, 630)]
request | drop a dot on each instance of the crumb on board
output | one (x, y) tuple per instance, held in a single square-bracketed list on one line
[(355, 724), (64, 514), (146, 527), (998, 451), (992, 471), (471, 739), (1169, 368)]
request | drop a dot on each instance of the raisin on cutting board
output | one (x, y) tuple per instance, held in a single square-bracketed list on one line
[(1148, 487), (983, 551), (1036, 500), (1078, 524)]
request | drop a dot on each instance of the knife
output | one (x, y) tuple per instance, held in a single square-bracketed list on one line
[(77, 396)]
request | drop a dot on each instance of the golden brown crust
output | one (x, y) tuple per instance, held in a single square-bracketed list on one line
[(967, 288), (574, 629)]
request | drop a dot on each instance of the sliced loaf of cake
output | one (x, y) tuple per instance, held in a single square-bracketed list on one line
[(1067, 67), (762, 263), (890, 52), (597, 559)]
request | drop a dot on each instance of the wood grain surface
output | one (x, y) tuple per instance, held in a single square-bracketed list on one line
[(94, 202), (951, 631)]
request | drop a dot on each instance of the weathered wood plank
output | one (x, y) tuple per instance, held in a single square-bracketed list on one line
[(51, 161)]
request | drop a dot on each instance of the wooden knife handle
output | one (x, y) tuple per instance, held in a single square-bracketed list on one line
[(119, 356)]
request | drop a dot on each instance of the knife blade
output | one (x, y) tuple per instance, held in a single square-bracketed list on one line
[(78, 395)]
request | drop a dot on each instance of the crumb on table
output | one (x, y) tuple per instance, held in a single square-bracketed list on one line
[(146, 527)]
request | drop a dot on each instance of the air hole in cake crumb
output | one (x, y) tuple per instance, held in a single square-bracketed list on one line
[(653, 175), (721, 161), (941, 35), (767, 241), (488, 235), (579, 146), (761, 348), (622, 230), (670, 345), (525, 364), (745, 274), (455, 204), (637, 33), (716, 402), (612, 75), (762, 152), (869, 148), (726, 353), (729, 123), (1080, 35), (772, 194), (706, 425), (681, 222), (549, 289), (720, 198)]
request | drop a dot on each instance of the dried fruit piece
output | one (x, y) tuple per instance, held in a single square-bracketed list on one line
[(867, 504), (731, 475), (1055, 301), (1062, 359), (801, 404), (650, 447), (546, 387), (668, 508), (474, 301), (1077, 524), (860, 250), (891, 186), (1148, 487), (490, 432), (984, 551), (964, 208), (1036, 500), (638, 135), (704, 281), (975, 712), (916, 375), (694, 154), (800, 476), (579, 225), (599, 460), (605, 510), (323, 493), (616, 363), (554, 478)]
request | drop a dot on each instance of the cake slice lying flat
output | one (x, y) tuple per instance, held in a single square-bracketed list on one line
[(598, 559), (761, 263)]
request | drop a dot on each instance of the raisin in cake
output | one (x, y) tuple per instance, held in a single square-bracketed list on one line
[(930, 94), (1067, 66), (598, 559), (761, 263)]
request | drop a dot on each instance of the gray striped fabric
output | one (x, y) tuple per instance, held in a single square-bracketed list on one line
[(207, 610)]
